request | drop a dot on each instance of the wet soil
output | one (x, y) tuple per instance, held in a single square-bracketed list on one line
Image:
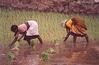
[(63, 55)]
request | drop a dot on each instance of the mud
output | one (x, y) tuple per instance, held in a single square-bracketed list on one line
[(63, 55)]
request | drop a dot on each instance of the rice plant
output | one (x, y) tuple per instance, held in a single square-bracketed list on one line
[(49, 24)]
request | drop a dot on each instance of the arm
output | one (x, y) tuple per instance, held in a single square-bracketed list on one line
[(13, 42), (21, 37), (23, 34), (67, 29)]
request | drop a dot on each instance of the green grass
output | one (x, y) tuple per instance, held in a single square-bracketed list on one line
[(49, 24)]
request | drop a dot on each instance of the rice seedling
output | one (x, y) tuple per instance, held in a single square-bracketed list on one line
[(49, 24)]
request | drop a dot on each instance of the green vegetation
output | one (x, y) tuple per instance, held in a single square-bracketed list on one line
[(10, 56), (46, 54), (49, 24)]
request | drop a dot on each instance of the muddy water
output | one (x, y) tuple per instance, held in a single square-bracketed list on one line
[(29, 60), (62, 56)]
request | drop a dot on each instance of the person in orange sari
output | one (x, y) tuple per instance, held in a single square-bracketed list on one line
[(75, 27)]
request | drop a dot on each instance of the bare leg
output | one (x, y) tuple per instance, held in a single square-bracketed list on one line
[(74, 40), (87, 39), (40, 39), (28, 42), (28, 38)]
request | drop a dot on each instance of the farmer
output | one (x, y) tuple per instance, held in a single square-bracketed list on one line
[(75, 27), (28, 30)]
